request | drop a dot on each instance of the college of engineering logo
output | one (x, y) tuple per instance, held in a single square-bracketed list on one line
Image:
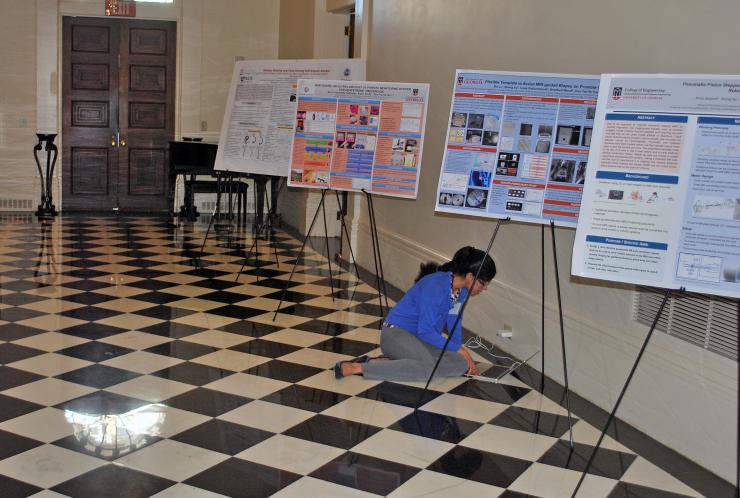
[(347, 72), (616, 93)]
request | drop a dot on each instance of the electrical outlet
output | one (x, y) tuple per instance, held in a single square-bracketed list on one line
[(204, 126), (505, 334)]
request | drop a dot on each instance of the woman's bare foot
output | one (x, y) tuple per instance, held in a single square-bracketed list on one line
[(350, 368)]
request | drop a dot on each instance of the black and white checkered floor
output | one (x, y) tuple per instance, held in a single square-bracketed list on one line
[(129, 370)]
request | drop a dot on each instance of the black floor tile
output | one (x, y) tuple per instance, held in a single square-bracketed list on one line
[(154, 296), (323, 327), (354, 295), (283, 370), (12, 444), (480, 466), (14, 407), (332, 431), (499, 393), (92, 331), (193, 373), (13, 352), (365, 473), (345, 346), (12, 377), (436, 426), (251, 329), (305, 398), (98, 376), (218, 285), (113, 481), (222, 436), (306, 310), (95, 351), (16, 489), (152, 285), (369, 309), (172, 329), (522, 419), (290, 296), (181, 349), (13, 331), (85, 273), (607, 463), (88, 298), (206, 402), (163, 312), (86, 285), (261, 347), (102, 403), (19, 285), (146, 273), (17, 314), (90, 313), (241, 479), (399, 394), (88, 442), (234, 311), (20, 298), (626, 490), (221, 296), (205, 273)]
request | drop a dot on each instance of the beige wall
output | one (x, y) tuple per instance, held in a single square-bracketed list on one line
[(681, 395), (18, 176), (296, 29)]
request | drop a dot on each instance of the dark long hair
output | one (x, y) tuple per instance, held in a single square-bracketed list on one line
[(466, 260)]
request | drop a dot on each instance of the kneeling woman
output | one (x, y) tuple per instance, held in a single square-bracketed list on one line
[(412, 336)]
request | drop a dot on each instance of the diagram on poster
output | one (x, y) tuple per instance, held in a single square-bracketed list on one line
[(359, 135), (258, 123), (661, 205), (517, 145)]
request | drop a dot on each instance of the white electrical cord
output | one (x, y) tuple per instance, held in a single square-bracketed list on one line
[(477, 343)]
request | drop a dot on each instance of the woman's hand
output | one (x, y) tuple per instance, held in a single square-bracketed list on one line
[(472, 367)]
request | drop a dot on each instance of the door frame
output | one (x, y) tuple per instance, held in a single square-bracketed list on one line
[(49, 64)]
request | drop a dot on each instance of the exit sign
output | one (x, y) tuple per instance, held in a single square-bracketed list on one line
[(120, 8)]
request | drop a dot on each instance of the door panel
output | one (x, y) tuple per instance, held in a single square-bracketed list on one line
[(89, 113), (118, 107), (147, 111)]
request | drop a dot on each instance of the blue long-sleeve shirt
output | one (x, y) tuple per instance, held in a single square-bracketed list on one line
[(427, 307)]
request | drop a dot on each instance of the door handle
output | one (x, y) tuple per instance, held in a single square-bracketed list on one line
[(123, 142), (114, 140)]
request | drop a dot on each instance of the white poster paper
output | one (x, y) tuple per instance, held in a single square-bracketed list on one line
[(517, 145), (661, 205), (258, 123), (361, 135)]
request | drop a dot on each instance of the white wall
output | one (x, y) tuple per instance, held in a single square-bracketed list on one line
[(683, 396)]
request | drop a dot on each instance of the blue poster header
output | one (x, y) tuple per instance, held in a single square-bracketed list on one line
[(662, 118), (627, 242), (637, 177)]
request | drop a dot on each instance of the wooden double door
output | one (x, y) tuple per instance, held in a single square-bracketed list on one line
[(118, 96)]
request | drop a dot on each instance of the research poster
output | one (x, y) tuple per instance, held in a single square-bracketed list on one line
[(257, 130), (359, 136), (661, 205), (517, 146)]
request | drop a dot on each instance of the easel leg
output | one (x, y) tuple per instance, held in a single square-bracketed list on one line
[(328, 252), (300, 253), (562, 334), (459, 315), (377, 249), (609, 421), (216, 211), (542, 329), (373, 237)]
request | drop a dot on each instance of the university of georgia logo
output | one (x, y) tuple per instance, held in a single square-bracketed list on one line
[(460, 80), (617, 93), (347, 72), (415, 92)]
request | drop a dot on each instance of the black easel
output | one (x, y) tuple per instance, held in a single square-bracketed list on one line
[(609, 421), (256, 234), (542, 329), (379, 275), (562, 334), (459, 315), (320, 207)]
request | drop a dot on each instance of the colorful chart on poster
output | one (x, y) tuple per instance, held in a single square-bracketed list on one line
[(258, 123), (359, 136), (517, 145), (661, 205)]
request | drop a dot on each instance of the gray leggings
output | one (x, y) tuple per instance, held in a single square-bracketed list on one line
[(411, 359)]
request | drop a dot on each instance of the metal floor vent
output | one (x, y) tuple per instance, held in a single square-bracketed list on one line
[(710, 322), (16, 204)]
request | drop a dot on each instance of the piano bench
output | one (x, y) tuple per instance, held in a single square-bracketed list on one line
[(238, 188)]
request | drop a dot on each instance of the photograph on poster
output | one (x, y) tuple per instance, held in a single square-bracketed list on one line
[(480, 179), (525, 144), (542, 147), (476, 198), (451, 199), (586, 140), (568, 135), (562, 170), (544, 131), (475, 120), (473, 136), (490, 138), (525, 129), (492, 122), (581, 173), (459, 119)]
